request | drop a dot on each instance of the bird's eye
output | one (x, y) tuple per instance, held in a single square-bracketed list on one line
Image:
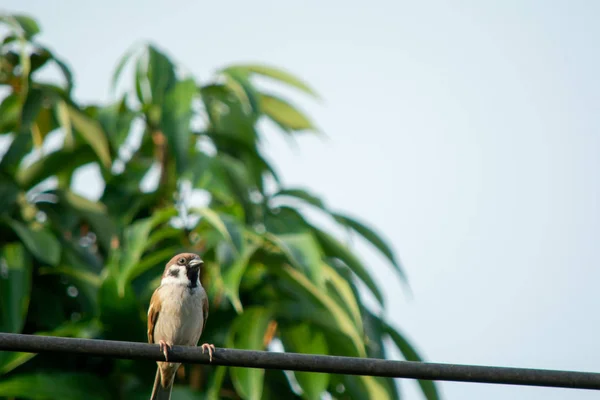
[(181, 261)]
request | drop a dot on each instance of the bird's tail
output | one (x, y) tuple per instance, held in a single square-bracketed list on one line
[(160, 392)]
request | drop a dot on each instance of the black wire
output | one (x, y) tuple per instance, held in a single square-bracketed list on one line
[(304, 362)]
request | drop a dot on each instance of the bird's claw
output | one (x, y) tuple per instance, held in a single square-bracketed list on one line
[(165, 347), (210, 348)]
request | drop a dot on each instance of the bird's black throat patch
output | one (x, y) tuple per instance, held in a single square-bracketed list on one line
[(192, 274)]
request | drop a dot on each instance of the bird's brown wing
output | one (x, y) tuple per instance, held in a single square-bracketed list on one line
[(153, 312)]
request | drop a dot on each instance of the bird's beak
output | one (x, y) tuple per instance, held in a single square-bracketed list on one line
[(195, 263)]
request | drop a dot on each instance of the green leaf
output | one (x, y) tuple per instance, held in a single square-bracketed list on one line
[(94, 213), (376, 348), (285, 114), (232, 275), (64, 386), (116, 120), (370, 235), (333, 248), (237, 80), (337, 318), (121, 64), (9, 192), (303, 253), (410, 354), (277, 74), (73, 272), (366, 387), (57, 162), (302, 339), (215, 220), (135, 242), (227, 113), (161, 74), (175, 123), (31, 108), (28, 26), (19, 147), (41, 243), (302, 195), (92, 132), (119, 307), (247, 333), (15, 286), (343, 291), (10, 112), (65, 71)]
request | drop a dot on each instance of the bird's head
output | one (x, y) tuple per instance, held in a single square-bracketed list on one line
[(184, 268)]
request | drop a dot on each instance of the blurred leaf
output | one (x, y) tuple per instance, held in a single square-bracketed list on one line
[(214, 384), (135, 241), (9, 192), (57, 162), (175, 123), (120, 309), (94, 213), (374, 338), (161, 74), (237, 81), (10, 112), (232, 275), (38, 58), (366, 387), (28, 26), (19, 147), (184, 393), (370, 235), (303, 252), (302, 195), (248, 331), (333, 248), (410, 354), (65, 71), (92, 133), (227, 113), (285, 114), (121, 64), (73, 272), (116, 120), (344, 293), (278, 386), (336, 315), (15, 285), (277, 74), (41, 243), (64, 386), (302, 339), (215, 220), (31, 108)]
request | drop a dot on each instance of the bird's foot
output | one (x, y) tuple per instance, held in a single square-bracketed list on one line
[(165, 347), (210, 348)]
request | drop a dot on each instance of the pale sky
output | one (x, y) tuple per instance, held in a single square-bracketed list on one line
[(466, 133)]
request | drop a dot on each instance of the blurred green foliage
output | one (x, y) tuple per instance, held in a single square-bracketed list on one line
[(74, 266)]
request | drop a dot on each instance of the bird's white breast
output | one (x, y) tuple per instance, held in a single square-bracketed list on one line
[(180, 317)]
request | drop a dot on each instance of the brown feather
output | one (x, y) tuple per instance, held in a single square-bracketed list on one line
[(153, 312)]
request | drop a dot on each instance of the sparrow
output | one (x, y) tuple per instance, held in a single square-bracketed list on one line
[(177, 316)]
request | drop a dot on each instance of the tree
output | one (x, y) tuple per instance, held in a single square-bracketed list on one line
[(80, 267)]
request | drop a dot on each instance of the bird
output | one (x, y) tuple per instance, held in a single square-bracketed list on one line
[(177, 316)]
